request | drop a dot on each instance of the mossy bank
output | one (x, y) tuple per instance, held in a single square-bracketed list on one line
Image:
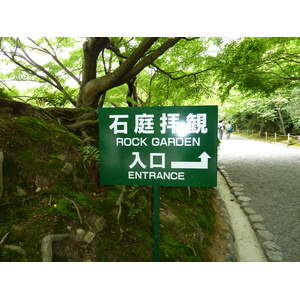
[(50, 187)]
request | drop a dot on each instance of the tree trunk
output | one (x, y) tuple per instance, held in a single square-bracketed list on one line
[(281, 121), (91, 90), (91, 50), (131, 96)]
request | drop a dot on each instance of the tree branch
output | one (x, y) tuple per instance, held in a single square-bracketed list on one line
[(149, 59), (183, 76), (54, 56), (50, 79), (116, 51), (131, 61)]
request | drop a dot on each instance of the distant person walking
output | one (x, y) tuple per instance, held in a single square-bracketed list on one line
[(220, 129), (228, 129)]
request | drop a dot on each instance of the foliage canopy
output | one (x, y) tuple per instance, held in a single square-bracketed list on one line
[(131, 71), (138, 70)]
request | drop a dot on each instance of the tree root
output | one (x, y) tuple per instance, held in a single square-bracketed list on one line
[(46, 246), (11, 247), (15, 248), (4, 238), (77, 209), (189, 191), (80, 125), (199, 231), (195, 254), (86, 139), (86, 116), (83, 117), (119, 203)]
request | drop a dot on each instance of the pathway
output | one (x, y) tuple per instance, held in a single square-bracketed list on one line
[(270, 174)]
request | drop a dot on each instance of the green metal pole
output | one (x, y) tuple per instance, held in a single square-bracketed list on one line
[(156, 222)]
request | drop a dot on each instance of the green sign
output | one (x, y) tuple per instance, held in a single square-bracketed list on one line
[(165, 146)]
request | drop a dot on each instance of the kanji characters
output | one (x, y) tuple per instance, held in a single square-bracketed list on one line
[(169, 123), (196, 123), (159, 162), (116, 124), (144, 123)]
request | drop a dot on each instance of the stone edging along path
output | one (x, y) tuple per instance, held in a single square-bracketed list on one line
[(266, 239), (232, 255)]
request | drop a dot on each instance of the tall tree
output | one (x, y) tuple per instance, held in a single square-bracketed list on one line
[(43, 61), (103, 64), (259, 65), (92, 88)]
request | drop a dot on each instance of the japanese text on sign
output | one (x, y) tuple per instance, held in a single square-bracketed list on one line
[(144, 123)]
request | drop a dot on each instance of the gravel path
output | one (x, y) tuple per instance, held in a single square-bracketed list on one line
[(270, 174)]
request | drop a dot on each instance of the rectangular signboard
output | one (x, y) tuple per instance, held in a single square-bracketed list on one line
[(165, 146)]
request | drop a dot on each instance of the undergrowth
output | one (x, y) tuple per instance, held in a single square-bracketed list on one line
[(280, 139), (182, 238)]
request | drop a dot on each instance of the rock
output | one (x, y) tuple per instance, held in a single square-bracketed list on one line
[(100, 224), (244, 204), (249, 211), (89, 237), (233, 184), (273, 256), (269, 245), (232, 253), (230, 236), (237, 189), (61, 157), (20, 192), (255, 218), (264, 235), (238, 194), (231, 258), (80, 232), (68, 168), (258, 226), (41, 183), (241, 199)]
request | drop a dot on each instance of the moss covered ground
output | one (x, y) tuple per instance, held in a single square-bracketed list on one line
[(187, 223), (61, 193)]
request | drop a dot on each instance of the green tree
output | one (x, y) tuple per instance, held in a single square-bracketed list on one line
[(259, 114), (43, 61), (141, 70), (293, 108), (259, 65)]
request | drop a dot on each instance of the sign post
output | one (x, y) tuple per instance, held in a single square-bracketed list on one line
[(156, 222), (158, 146)]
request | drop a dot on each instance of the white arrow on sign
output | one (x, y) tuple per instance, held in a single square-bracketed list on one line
[(203, 164)]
